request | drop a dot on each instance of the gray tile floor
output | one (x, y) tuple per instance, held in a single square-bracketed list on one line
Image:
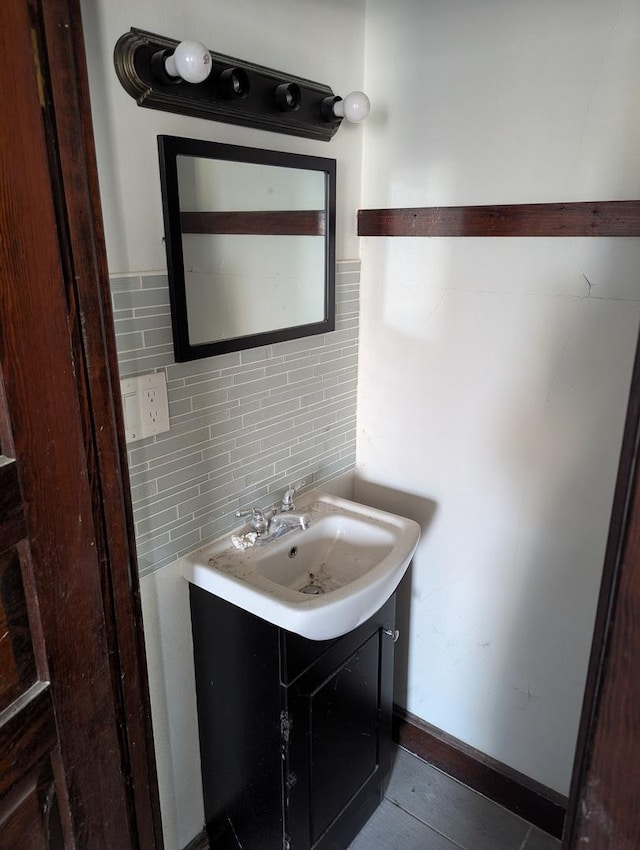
[(424, 809)]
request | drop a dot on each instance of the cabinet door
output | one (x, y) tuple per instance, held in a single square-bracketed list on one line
[(340, 736), (236, 661)]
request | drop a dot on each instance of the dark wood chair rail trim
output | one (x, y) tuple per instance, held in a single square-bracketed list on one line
[(597, 218), (521, 795), (256, 222)]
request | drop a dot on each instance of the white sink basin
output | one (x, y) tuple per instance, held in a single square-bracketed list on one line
[(351, 556)]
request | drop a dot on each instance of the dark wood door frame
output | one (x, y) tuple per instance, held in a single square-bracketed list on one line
[(54, 88), (68, 114), (603, 811)]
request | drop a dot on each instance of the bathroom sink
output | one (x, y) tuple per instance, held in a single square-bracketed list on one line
[(320, 582)]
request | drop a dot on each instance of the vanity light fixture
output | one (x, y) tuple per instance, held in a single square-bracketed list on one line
[(188, 78), (190, 61), (354, 108)]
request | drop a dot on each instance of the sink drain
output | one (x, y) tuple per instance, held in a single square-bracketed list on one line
[(311, 589)]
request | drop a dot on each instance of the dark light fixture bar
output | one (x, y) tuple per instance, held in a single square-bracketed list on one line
[(597, 218), (235, 91)]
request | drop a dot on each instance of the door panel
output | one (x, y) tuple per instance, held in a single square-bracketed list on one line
[(31, 818), (17, 659), (29, 811)]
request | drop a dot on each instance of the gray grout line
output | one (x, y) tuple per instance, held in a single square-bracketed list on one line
[(530, 826), (526, 838), (470, 790), (429, 826)]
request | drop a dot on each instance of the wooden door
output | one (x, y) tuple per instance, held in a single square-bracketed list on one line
[(76, 763)]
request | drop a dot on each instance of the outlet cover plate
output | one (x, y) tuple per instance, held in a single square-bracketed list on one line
[(145, 406)]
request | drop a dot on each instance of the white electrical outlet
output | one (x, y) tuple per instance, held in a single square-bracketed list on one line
[(150, 401), (145, 406)]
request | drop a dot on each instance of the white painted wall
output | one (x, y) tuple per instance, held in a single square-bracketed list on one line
[(320, 41), (167, 627), (494, 372)]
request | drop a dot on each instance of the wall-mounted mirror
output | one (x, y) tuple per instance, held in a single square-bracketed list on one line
[(250, 237)]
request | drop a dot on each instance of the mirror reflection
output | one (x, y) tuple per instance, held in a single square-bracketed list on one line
[(250, 245)]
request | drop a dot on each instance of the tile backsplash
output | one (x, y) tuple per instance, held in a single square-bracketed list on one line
[(243, 425)]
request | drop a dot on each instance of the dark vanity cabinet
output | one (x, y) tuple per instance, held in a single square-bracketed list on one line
[(295, 734)]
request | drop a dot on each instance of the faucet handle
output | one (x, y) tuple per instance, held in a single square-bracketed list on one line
[(287, 499), (259, 520)]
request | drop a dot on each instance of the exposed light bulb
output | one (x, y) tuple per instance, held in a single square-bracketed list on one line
[(355, 107), (190, 60)]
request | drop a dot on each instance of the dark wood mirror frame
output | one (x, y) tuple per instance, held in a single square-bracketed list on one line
[(257, 222)]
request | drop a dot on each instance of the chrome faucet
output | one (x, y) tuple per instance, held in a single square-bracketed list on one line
[(259, 521), (281, 523), (268, 526), (287, 499)]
